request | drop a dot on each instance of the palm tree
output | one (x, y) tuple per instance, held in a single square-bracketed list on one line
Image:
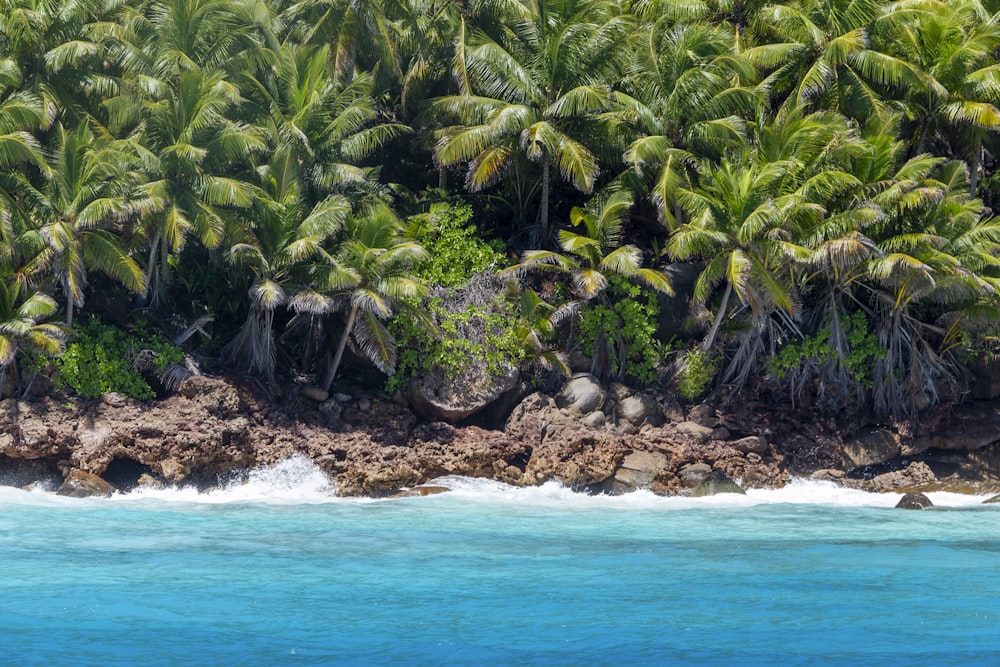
[(90, 193), (21, 313), (286, 240), (371, 276), (589, 259), (532, 91), (953, 101)]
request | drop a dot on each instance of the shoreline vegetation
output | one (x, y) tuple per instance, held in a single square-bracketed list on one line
[(615, 243)]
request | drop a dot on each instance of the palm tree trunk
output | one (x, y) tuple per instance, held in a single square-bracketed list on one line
[(974, 165), (543, 207), (706, 345), (332, 371)]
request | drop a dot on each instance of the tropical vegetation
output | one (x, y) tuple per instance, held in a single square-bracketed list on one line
[(312, 177)]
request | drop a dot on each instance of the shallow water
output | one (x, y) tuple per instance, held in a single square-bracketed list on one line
[(277, 571)]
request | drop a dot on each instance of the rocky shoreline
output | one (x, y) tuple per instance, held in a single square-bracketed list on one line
[(587, 437)]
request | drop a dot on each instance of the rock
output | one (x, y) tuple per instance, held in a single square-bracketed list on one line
[(147, 481), (640, 409), (582, 394), (828, 475), (422, 490), (870, 447), (694, 474), (331, 408), (437, 398), (172, 470), (638, 470), (914, 501), (93, 435), (214, 395), (342, 398), (751, 444), (970, 426), (991, 501), (703, 415), (82, 484), (317, 394), (720, 433), (693, 431), (716, 483), (114, 399), (914, 474), (594, 419), (673, 411), (364, 404)]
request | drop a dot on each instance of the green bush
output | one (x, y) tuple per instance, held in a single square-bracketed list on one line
[(456, 251), (102, 359), (632, 312), (813, 352), (698, 371)]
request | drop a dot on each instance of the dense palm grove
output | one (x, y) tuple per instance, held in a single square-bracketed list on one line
[(299, 175)]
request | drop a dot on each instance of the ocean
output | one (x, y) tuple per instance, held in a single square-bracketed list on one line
[(278, 570)]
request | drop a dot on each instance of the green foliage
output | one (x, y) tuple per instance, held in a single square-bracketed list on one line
[(104, 359), (456, 250), (626, 325), (477, 339), (816, 351), (699, 370)]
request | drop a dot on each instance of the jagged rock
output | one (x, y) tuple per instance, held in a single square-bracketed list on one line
[(828, 475), (694, 474), (82, 484), (914, 474), (639, 409), (214, 395), (422, 490), (582, 394), (693, 431), (703, 415), (93, 435), (870, 447), (317, 394), (991, 501), (147, 481), (751, 444), (453, 399), (342, 398), (971, 426), (914, 501), (638, 470), (172, 470), (716, 483)]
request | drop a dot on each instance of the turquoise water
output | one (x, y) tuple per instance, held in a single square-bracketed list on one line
[(277, 572)]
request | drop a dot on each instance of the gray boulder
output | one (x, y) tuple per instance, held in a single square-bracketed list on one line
[(582, 394), (694, 474), (640, 409), (638, 470), (716, 483), (914, 501), (82, 484), (870, 447)]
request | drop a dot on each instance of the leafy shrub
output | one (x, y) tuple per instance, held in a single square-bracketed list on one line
[(456, 250), (814, 353), (626, 324), (698, 371), (103, 359)]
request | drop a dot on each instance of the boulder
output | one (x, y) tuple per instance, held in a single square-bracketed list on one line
[(313, 393), (82, 484), (970, 426), (640, 409), (751, 444), (694, 474), (693, 431), (716, 483), (594, 419), (437, 398), (914, 501), (582, 394), (870, 447), (703, 415), (638, 470)]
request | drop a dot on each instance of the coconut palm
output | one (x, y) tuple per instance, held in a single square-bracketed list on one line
[(285, 239), (533, 85), (90, 193), (371, 276), (22, 311)]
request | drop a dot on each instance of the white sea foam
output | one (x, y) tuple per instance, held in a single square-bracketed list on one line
[(298, 480)]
